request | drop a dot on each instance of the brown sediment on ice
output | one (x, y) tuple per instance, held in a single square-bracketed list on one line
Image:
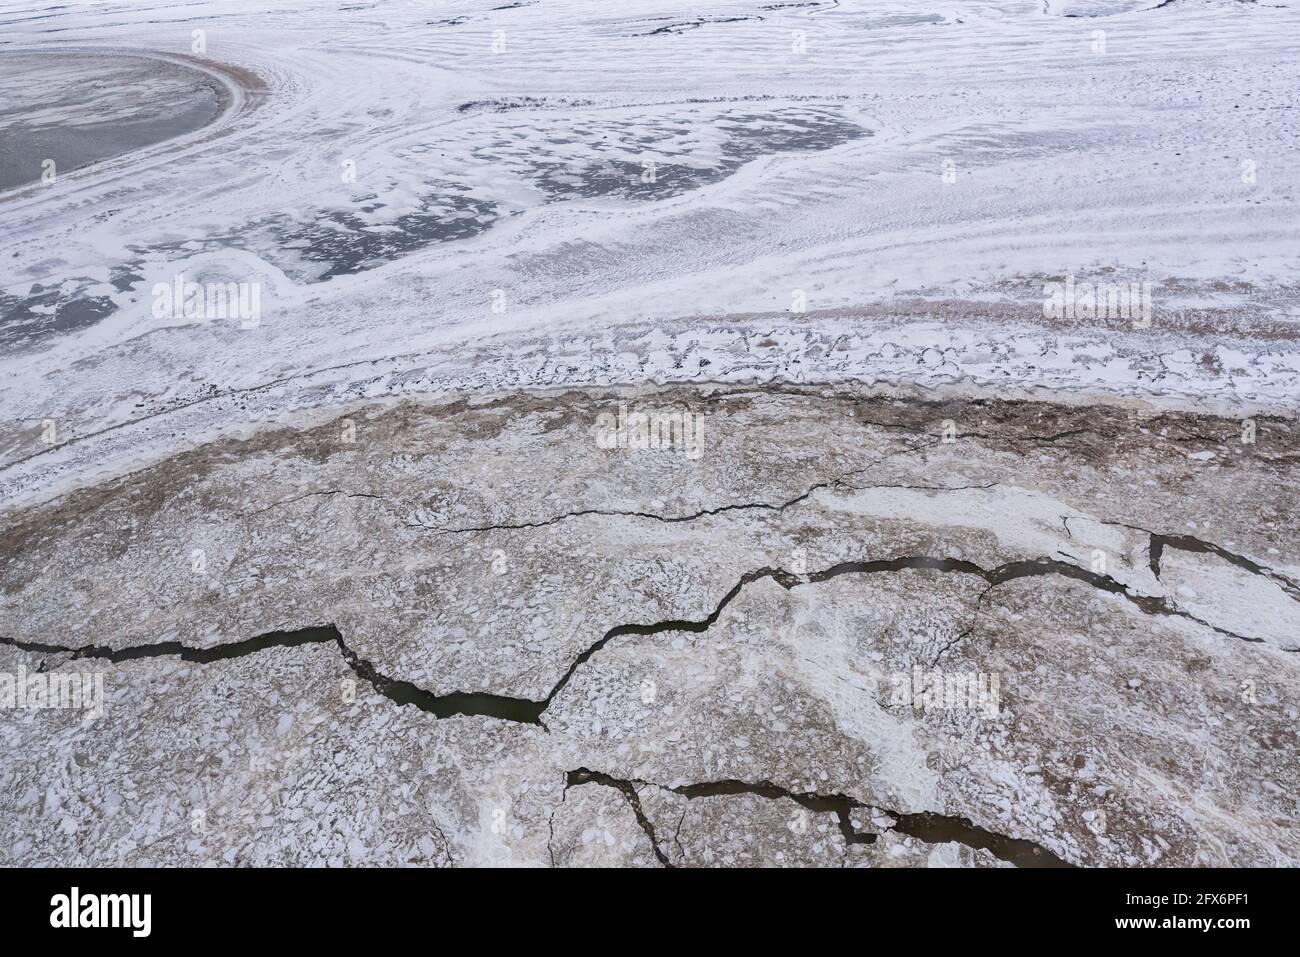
[(251, 86)]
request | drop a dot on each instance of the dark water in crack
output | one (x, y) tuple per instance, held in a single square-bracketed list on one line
[(941, 829), (928, 827)]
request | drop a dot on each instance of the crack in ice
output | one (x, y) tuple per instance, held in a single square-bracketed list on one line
[(926, 826), (530, 711)]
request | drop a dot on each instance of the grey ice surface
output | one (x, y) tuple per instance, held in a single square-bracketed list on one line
[(63, 111), (465, 633)]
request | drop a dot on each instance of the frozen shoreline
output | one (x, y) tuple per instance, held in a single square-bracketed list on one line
[(990, 361)]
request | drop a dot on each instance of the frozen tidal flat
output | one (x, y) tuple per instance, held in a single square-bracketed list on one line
[(464, 638), (827, 228)]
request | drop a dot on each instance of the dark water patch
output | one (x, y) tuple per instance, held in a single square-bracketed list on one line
[(623, 179), (24, 150), (47, 310), (586, 156), (575, 163), (508, 103), (681, 26), (754, 135), (97, 108), (884, 23), (943, 829), (325, 243), (344, 244), (28, 320)]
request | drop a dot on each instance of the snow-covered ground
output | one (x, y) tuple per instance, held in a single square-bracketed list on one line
[(988, 314), (891, 186)]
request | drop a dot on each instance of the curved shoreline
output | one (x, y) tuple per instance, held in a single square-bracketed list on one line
[(236, 89)]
